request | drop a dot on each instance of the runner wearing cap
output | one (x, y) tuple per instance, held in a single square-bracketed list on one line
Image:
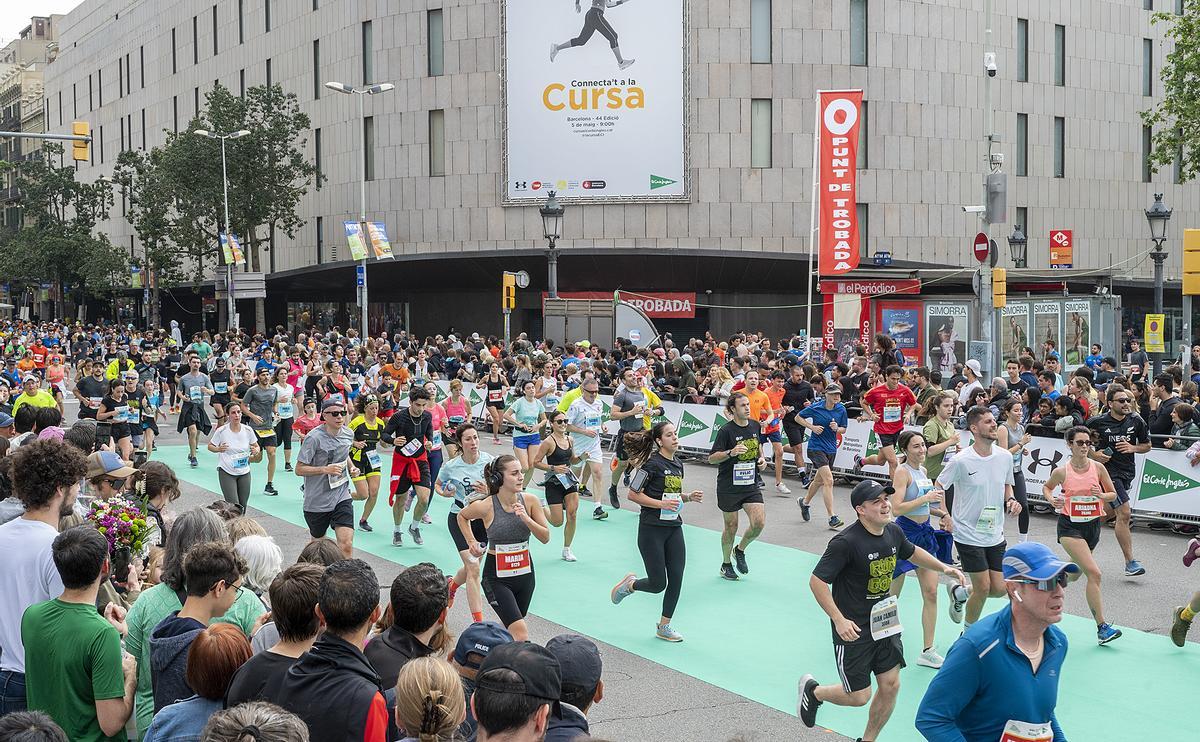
[(1118, 435), (738, 456), (517, 690), (657, 486), (1000, 680), (324, 462), (1084, 488), (859, 563), (982, 477), (460, 478), (585, 418), (33, 395), (889, 406), (510, 516), (826, 421), (474, 644)]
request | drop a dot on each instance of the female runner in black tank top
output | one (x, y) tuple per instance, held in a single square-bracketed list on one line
[(555, 457)]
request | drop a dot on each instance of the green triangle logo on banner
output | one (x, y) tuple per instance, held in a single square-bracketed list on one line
[(475, 398), (1158, 480), (607, 410), (872, 444), (658, 181), (718, 422), (690, 425), (441, 395)]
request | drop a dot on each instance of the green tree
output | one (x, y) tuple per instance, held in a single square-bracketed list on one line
[(1176, 120), (152, 215)]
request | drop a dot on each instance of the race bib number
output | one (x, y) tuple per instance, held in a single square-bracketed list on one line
[(567, 480), (989, 521), (743, 473), (891, 413), (123, 415), (265, 433), (286, 409), (374, 460), (1084, 508), (95, 401), (410, 449), (436, 439), (592, 422), (949, 454), (885, 618), (676, 500), (513, 560), (355, 379), (241, 460), (924, 485), (196, 394), (221, 387), (338, 397), (1023, 731), (495, 395), (339, 479)]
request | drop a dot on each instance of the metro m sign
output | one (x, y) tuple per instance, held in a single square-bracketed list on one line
[(838, 114), (1061, 248)]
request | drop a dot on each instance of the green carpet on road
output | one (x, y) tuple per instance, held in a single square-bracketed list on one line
[(757, 636)]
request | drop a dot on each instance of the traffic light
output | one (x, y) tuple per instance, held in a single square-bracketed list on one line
[(1191, 262), (81, 150), (509, 297), (999, 288)]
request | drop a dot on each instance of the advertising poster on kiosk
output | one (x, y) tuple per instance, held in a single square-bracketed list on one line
[(1077, 330), (946, 336), (1014, 330), (1046, 319), (901, 321), (594, 104)]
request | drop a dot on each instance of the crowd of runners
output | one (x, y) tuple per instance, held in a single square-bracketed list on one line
[(333, 405)]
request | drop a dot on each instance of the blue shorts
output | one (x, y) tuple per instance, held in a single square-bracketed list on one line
[(921, 535), (1122, 488), (527, 441), (775, 437)]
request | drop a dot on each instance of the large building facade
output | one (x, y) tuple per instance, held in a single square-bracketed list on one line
[(1072, 78)]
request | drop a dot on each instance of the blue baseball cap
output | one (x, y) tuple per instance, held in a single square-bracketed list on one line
[(1034, 561), (5, 419), (479, 638)]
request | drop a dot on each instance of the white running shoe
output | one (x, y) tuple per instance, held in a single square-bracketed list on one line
[(782, 489), (958, 598), (553, 51), (930, 658), (627, 64), (568, 555)]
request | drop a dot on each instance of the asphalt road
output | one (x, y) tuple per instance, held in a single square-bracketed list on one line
[(645, 700)]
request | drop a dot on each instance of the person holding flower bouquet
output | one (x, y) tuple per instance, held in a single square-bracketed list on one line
[(236, 446), (128, 531)]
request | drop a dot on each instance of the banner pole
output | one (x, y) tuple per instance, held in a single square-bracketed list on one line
[(812, 219)]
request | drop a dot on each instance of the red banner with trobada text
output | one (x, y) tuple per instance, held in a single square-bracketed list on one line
[(838, 117)]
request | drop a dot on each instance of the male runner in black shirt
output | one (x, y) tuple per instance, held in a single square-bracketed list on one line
[(1120, 433)]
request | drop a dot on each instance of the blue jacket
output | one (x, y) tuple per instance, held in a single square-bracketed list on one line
[(986, 681), (182, 721)]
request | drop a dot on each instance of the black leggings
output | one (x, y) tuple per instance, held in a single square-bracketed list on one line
[(1019, 492), (283, 433), (592, 22), (508, 596), (664, 554)]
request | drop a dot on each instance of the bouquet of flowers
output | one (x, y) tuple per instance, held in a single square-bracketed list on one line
[(122, 523)]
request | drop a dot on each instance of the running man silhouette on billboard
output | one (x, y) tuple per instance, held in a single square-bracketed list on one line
[(592, 22)]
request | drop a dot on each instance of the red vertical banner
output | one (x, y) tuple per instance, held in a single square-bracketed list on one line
[(838, 120)]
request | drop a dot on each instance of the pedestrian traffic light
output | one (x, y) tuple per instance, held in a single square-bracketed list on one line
[(81, 150), (509, 297), (999, 288), (1191, 262)]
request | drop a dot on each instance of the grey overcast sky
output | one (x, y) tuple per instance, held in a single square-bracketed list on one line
[(15, 14)]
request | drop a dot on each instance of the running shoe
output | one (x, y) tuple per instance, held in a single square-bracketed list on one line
[(568, 555), (270, 490), (365, 526), (1179, 627), (192, 461), (1106, 632), (623, 589), (930, 658), (835, 523), (1190, 556), (1134, 568), (415, 532), (397, 538), (287, 466), (585, 493), (727, 571), (739, 558), (858, 461), (805, 510), (805, 478), (956, 605), (806, 701), (627, 64), (782, 489), (426, 519), (599, 513), (666, 633), (613, 498)]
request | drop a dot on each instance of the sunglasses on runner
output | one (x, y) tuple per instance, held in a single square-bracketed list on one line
[(1087, 442), (336, 413), (1046, 586)]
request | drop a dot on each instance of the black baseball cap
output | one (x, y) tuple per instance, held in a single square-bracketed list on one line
[(537, 667), (868, 490), (578, 660)]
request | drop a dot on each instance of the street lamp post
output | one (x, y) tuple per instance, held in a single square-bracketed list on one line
[(362, 92), (231, 305), (552, 217), (1017, 245), (1158, 215)]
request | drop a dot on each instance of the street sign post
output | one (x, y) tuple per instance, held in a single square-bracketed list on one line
[(981, 247)]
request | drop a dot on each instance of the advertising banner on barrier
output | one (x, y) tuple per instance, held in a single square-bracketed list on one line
[(594, 102), (696, 426), (1166, 483)]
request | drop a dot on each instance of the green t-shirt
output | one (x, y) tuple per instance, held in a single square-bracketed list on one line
[(151, 607), (72, 660)]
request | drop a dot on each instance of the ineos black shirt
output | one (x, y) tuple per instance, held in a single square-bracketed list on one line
[(1110, 431)]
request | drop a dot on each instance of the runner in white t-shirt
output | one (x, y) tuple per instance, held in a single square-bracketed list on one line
[(585, 419), (235, 445), (982, 477)]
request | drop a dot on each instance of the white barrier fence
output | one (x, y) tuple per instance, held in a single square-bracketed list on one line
[(1165, 484)]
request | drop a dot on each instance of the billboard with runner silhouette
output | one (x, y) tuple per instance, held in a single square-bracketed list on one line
[(594, 100)]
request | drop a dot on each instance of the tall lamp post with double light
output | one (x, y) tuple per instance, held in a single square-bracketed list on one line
[(362, 92), (225, 185), (552, 218), (1158, 215)]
